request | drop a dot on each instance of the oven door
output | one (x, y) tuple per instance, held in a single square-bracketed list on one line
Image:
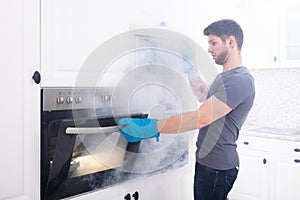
[(83, 155)]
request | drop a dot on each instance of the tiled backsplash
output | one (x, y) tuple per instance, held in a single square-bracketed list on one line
[(277, 101)]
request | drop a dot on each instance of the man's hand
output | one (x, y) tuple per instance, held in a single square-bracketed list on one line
[(138, 129), (189, 69)]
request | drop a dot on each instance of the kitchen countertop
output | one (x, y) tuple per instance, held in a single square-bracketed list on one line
[(273, 133)]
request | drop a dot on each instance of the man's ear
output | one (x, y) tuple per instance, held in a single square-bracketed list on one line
[(231, 41)]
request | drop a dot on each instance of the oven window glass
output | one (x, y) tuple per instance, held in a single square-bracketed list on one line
[(97, 152)]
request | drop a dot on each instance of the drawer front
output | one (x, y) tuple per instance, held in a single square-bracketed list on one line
[(269, 145)]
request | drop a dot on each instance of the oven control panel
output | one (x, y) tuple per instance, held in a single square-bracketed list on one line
[(76, 98)]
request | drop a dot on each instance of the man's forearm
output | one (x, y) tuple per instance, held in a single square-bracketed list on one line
[(211, 110), (179, 123)]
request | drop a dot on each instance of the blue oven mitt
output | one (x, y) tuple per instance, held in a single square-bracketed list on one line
[(136, 129)]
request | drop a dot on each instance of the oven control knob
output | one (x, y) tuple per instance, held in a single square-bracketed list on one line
[(60, 100), (78, 100), (69, 100)]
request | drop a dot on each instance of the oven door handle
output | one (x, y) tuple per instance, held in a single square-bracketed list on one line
[(92, 130)]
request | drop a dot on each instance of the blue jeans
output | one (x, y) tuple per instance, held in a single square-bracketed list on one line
[(212, 184)]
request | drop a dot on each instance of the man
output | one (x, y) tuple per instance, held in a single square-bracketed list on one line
[(219, 118)]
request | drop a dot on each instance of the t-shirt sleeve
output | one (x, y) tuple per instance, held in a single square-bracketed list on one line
[(234, 90)]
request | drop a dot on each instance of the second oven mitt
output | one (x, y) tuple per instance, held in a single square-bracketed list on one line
[(136, 129)]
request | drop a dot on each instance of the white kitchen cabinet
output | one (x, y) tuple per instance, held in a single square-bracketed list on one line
[(270, 34), (252, 181), (285, 180), (170, 185), (289, 40), (269, 169), (72, 29), (260, 25), (20, 100), (166, 186), (259, 21)]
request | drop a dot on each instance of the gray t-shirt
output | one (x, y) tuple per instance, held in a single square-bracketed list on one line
[(216, 144)]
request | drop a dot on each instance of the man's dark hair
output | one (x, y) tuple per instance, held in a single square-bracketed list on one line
[(225, 28)]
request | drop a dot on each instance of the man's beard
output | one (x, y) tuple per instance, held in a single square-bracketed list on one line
[(223, 57)]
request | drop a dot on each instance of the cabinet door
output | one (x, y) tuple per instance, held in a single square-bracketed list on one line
[(261, 36), (170, 185), (19, 102), (289, 40), (285, 177), (71, 30), (251, 183)]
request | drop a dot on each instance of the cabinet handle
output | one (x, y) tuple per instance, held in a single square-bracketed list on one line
[(36, 77), (297, 150), (246, 143), (136, 195), (264, 161), (127, 197), (297, 161)]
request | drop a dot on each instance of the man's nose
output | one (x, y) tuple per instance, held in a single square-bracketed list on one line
[(210, 49)]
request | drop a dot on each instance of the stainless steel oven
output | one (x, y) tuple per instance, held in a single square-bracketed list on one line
[(81, 147)]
